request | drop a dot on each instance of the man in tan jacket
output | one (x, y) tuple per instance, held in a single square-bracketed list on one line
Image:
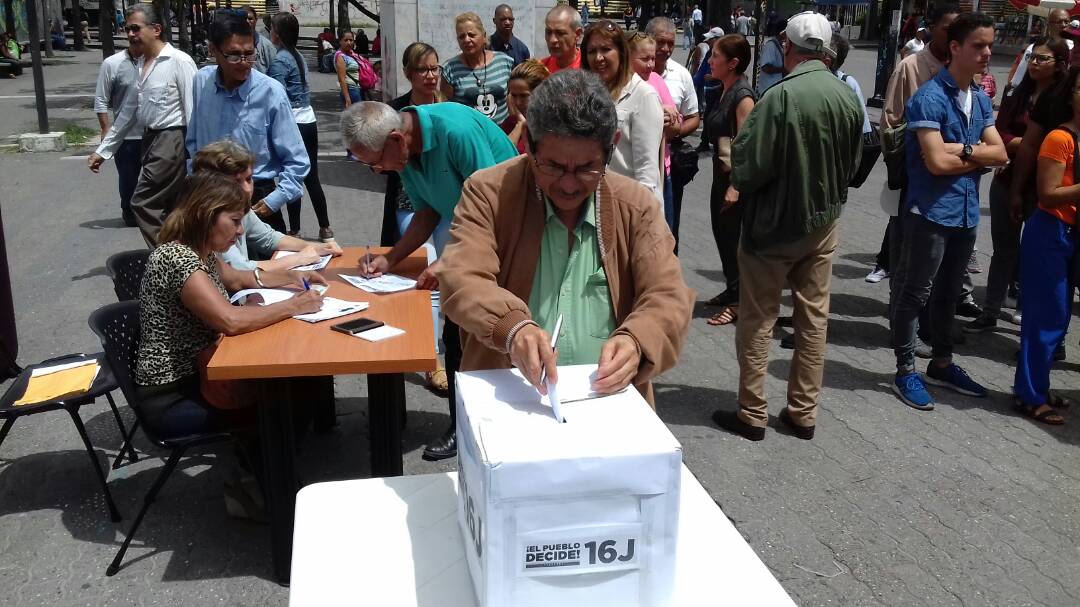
[(551, 235)]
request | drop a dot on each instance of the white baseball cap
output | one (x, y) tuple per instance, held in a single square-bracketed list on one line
[(715, 32), (811, 31)]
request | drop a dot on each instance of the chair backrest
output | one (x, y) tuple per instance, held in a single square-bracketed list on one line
[(126, 270), (117, 326)]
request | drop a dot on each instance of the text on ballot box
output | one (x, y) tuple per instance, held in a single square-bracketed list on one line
[(579, 513)]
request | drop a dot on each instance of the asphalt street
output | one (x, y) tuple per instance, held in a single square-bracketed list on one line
[(967, 505)]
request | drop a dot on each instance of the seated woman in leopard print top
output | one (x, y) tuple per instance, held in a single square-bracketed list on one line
[(184, 307)]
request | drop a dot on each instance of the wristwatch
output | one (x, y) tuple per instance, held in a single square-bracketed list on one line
[(966, 153)]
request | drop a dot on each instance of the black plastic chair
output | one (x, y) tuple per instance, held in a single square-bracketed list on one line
[(117, 325), (126, 270), (103, 385)]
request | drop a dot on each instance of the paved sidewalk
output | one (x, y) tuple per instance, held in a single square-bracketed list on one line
[(965, 505)]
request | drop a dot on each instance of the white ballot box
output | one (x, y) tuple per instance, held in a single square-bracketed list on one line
[(579, 513)]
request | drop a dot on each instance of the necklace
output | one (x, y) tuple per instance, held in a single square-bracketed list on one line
[(480, 82)]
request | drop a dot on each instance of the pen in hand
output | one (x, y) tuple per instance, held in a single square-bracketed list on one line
[(307, 285)]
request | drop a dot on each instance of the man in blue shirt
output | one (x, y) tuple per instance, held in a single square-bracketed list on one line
[(234, 102), (950, 141), (503, 39), (435, 148)]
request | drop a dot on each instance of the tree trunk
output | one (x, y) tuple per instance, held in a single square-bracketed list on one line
[(46, 27), (76, 25), (182, 25), (343, 17), (9, 15), (163, 12), (333, 17), (106, 26)]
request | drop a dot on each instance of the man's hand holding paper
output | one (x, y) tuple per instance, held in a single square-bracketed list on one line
[(531, 352)]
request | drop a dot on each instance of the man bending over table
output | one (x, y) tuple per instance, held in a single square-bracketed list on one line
[(435, 148), (551, 234)]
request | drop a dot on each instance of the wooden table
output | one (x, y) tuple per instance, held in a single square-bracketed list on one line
[(408, 551), (295, 348)]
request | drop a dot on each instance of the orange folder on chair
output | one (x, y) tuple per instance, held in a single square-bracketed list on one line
[(55, 382)]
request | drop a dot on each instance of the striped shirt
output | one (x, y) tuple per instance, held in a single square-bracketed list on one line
[(484, 88)]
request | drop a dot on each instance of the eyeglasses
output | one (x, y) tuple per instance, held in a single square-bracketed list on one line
[(604, 24), (555, 171), (424, 71), (1039, 59), (371, 165), (134, 28), (235, 58)]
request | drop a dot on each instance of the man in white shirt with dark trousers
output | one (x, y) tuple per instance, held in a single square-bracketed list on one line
[(161, 103), (116, 80)]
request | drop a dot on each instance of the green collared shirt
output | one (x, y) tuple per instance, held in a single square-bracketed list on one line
[(570, 281), (457, 141)]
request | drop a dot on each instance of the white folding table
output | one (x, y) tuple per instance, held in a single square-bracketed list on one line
[(395, 542)]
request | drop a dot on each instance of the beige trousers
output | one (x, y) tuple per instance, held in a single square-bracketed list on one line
[(806, 267)]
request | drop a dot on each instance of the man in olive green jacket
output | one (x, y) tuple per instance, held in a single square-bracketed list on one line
[(792, 162)]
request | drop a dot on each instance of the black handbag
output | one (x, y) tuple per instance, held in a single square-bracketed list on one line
[(684, 161), (871, 151)]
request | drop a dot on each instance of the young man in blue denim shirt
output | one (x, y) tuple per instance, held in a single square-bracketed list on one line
[(951, 140)]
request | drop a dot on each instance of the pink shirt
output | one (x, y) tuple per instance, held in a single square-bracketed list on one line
[(657, 82)]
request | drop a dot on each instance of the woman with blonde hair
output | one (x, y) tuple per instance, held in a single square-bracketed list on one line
[(260, 241), (637, 153), (524, 79), (478, 76)]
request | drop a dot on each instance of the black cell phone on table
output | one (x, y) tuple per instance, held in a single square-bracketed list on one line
[(358, 325)]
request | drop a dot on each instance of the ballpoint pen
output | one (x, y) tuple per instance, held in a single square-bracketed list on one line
[(307, 285), (553, 396)]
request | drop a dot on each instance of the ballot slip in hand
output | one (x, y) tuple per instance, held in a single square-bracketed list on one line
[(553, 394), (318, 265), (387, 283)]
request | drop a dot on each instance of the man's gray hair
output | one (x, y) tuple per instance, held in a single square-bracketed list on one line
[(367, 124), (150, 14), (561, 10), (660, 24), (573, 103)]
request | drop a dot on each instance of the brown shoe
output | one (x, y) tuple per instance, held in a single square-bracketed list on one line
[(326, 234)]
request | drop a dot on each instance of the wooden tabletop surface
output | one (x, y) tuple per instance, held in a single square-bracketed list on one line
[(294, 348)]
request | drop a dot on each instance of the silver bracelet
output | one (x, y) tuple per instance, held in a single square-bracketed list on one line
[(515, 329), (258, 280)]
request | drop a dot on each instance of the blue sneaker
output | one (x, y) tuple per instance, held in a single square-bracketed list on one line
[(912, 391), (956, 378)]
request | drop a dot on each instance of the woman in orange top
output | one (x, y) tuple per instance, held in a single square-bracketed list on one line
[(1046, 252)]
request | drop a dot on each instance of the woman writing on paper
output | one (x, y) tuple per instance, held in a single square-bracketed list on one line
[(184, 309)]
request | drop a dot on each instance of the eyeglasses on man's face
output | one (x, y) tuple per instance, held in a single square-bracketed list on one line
[(235, 58)]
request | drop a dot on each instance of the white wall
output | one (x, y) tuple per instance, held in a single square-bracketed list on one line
[(432, 21)]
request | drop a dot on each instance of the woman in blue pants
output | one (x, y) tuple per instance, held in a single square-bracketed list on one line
[(1046, 252)]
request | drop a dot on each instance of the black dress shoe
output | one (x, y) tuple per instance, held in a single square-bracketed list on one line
[(803, 432), (129, 218), (968, 309), (787, 342), (731, 422), (442, 448)]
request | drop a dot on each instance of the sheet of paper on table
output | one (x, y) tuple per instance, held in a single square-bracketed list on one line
[(331, 307), (318, 265), (387, 283), (380, 333)]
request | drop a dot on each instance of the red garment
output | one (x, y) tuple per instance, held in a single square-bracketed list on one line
[(989, 85), (376, 45), (508, 127), (553, 66)]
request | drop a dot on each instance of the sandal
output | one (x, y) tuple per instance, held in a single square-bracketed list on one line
[(727, 316), (1049, 417), (437, 382)]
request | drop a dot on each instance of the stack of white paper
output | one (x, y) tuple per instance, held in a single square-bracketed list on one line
[(387, 283)]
